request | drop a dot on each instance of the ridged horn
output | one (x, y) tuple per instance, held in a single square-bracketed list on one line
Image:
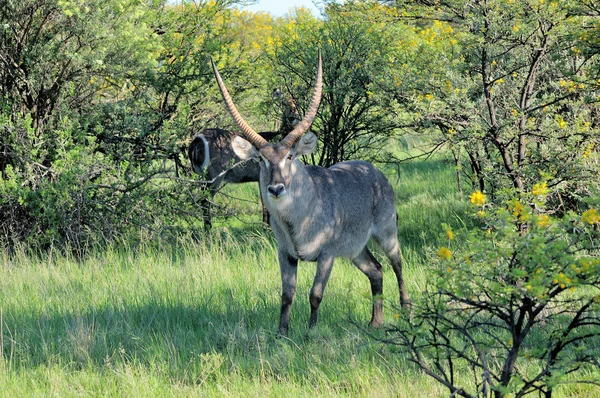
[(247, 131), (309, 117)]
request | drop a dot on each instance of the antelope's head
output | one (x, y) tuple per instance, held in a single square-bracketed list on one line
[(279, 166)]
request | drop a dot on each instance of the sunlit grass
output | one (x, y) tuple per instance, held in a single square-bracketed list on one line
[(198, 318)]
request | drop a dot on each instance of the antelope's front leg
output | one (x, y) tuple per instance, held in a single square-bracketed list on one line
[(289, 267), (324, 266)]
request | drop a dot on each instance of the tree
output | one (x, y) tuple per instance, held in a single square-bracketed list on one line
[(353, 120), (96, 107), (516, 91), (513, 85), (48, 47)]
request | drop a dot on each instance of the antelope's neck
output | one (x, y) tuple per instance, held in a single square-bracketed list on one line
[(292, 218)]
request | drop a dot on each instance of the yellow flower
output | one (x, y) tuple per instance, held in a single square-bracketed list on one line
[(450, 234), (477, 198), (397, 316), (444, 253), (542, 220), (590, 216), (540, 189), (588, 150), (519, 210)]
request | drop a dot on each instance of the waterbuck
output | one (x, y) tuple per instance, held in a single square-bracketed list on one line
[(212, 157), (318, 214)]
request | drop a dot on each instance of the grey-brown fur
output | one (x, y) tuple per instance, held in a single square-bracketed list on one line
[(318, 214), (324, 213)]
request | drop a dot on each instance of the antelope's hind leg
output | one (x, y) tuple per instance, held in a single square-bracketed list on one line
[(390, 245), (372, 269)]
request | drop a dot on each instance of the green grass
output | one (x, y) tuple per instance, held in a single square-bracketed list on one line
[(199, 318), (196, 319)]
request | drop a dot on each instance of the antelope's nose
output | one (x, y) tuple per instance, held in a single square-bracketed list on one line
[(276, 189)]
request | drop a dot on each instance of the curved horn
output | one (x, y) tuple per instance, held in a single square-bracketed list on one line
[(248, 132), (304, 125)]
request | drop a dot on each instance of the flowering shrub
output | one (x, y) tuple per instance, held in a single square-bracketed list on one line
[(520, 305)]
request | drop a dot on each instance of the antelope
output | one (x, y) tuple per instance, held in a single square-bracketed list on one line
[(211, 156), (318, 214)]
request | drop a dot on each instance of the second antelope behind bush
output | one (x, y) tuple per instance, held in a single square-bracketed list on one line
[(318, 214)]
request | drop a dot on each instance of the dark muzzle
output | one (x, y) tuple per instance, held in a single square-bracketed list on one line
[(276, 189)]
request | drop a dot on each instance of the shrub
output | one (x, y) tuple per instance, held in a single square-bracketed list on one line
[(518, 304)]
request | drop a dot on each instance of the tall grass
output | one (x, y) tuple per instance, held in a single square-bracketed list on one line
[(194, 319), (199, 318)]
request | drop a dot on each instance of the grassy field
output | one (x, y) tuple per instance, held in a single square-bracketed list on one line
[(199, 318)]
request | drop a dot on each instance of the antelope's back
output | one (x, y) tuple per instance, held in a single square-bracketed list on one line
[(355, 202), (361, 187)]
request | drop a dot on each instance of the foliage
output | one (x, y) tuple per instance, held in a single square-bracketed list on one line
[(510, 86), (354, 39), (519, 306), (52, 52), (98, 101)]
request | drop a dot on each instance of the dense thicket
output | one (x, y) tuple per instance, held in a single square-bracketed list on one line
[(100, 98), (98, 101), (513, 90)]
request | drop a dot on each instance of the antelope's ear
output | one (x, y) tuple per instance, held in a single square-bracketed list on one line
[(306, 144), (244, 149)]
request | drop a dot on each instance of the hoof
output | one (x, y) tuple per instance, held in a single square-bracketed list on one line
[(376, 323)]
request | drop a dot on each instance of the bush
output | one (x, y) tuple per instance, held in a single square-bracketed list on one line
[(518, 305)]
